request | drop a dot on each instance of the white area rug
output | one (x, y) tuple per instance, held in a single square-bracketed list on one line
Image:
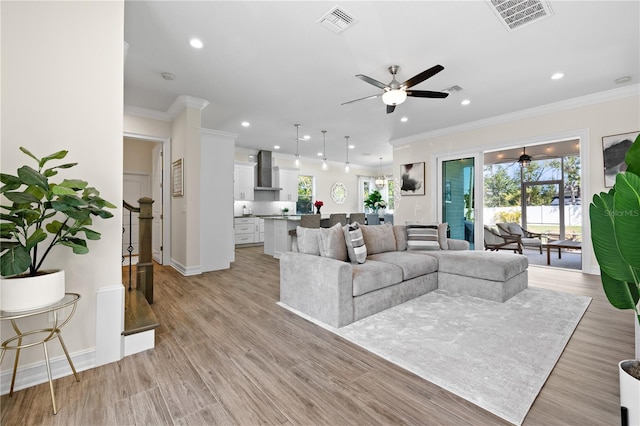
[(496, 355)]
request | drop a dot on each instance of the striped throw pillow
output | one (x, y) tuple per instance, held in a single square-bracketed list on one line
[(355, 243), (422, 237)]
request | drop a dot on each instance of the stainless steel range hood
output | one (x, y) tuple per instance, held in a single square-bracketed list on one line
[(265, 172)]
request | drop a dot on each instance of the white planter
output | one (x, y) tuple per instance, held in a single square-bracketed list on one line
[(629, 395), (26, 293)]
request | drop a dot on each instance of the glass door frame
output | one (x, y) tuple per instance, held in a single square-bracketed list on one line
[(438, 184)]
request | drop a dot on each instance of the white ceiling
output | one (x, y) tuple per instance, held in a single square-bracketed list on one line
[(272, 64)]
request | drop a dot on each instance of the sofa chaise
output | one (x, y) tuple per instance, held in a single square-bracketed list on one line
[(339, 275)]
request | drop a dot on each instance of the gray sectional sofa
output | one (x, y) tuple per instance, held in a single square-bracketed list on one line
[(324, 280)]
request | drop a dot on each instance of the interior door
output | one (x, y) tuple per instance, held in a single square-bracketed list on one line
[(157, 206), (458, 198)]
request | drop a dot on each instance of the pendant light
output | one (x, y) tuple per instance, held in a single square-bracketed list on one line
[(346, 163), (325, 166), (297, 145), (381, 179)]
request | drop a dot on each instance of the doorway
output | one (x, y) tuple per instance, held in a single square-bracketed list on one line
[(458, 198), (150, 155)]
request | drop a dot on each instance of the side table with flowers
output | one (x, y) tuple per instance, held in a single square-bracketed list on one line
[(317, 205)]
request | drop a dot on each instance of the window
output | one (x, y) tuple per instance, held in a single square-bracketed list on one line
[(367, 185), (306, 189)]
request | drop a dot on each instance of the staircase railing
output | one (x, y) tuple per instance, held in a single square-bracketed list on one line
[(144, 267)]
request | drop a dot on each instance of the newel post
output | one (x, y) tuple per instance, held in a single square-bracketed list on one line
[(144, 268)]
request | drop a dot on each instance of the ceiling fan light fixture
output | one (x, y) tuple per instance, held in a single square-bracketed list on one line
[(524, 159), (394, 97)]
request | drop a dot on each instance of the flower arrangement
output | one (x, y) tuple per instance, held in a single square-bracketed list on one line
[(375, 202), (318, 203)]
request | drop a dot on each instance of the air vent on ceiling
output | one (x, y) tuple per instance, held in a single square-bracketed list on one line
[(515, 14), (337, 20), (452, 89)]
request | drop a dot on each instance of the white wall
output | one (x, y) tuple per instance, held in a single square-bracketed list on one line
[(62, 79), (596, 116)]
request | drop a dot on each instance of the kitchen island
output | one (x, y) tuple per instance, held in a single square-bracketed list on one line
[(276, 234)]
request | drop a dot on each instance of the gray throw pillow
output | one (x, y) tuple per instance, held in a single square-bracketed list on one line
[(356, 248), (379, 238), (332, 243), (423, 237), (308, 240)]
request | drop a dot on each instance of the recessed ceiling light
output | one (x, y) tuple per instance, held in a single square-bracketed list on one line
[(351, 146), (306, 137), (319, 154), (557, 76), (245, 124), (404, 119), (465, 102), (196, 43), (276, 147)]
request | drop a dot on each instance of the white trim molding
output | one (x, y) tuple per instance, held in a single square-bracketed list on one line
[(184, 101), (610, 95), (185, 271)]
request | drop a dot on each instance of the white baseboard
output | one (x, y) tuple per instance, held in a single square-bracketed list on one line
[(139, 342), (36, 373), (185, 270)]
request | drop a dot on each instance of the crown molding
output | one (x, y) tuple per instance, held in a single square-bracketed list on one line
[(184, 101), (596, 98), (218, 133), (146, 113)]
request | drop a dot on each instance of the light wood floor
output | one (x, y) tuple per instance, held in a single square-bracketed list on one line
[(227, 354)]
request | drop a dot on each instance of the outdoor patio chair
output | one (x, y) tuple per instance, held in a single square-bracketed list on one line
[(494, 241), (528, 238)]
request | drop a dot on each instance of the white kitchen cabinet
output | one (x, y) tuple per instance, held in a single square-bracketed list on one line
[(287, 179), (244, 230), (243, 180), (259, 230)]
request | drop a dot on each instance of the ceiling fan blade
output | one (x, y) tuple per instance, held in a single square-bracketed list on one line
[(372, 81), (390, 108), (426, 94), (419, 78), (362, 99)]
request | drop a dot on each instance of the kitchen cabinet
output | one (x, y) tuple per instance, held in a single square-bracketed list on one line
[(243, 180), (287, 179), (276, 234), (259, 232), (245, 230)]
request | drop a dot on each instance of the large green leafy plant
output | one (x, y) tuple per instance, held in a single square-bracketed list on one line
[(41, 209), (374, 201), (615, 229)]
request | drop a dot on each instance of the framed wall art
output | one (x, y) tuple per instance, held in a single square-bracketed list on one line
[(177, 178), (412, 179), (614, 148)]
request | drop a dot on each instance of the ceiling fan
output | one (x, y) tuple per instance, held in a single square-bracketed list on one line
[(525, 159), (395, 93)]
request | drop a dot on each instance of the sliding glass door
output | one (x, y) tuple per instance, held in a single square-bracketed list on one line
[(458, 198)]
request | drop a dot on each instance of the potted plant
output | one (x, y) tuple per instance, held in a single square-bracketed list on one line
[(375, 202), (41, 215), (285, 211), (615, 227)]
